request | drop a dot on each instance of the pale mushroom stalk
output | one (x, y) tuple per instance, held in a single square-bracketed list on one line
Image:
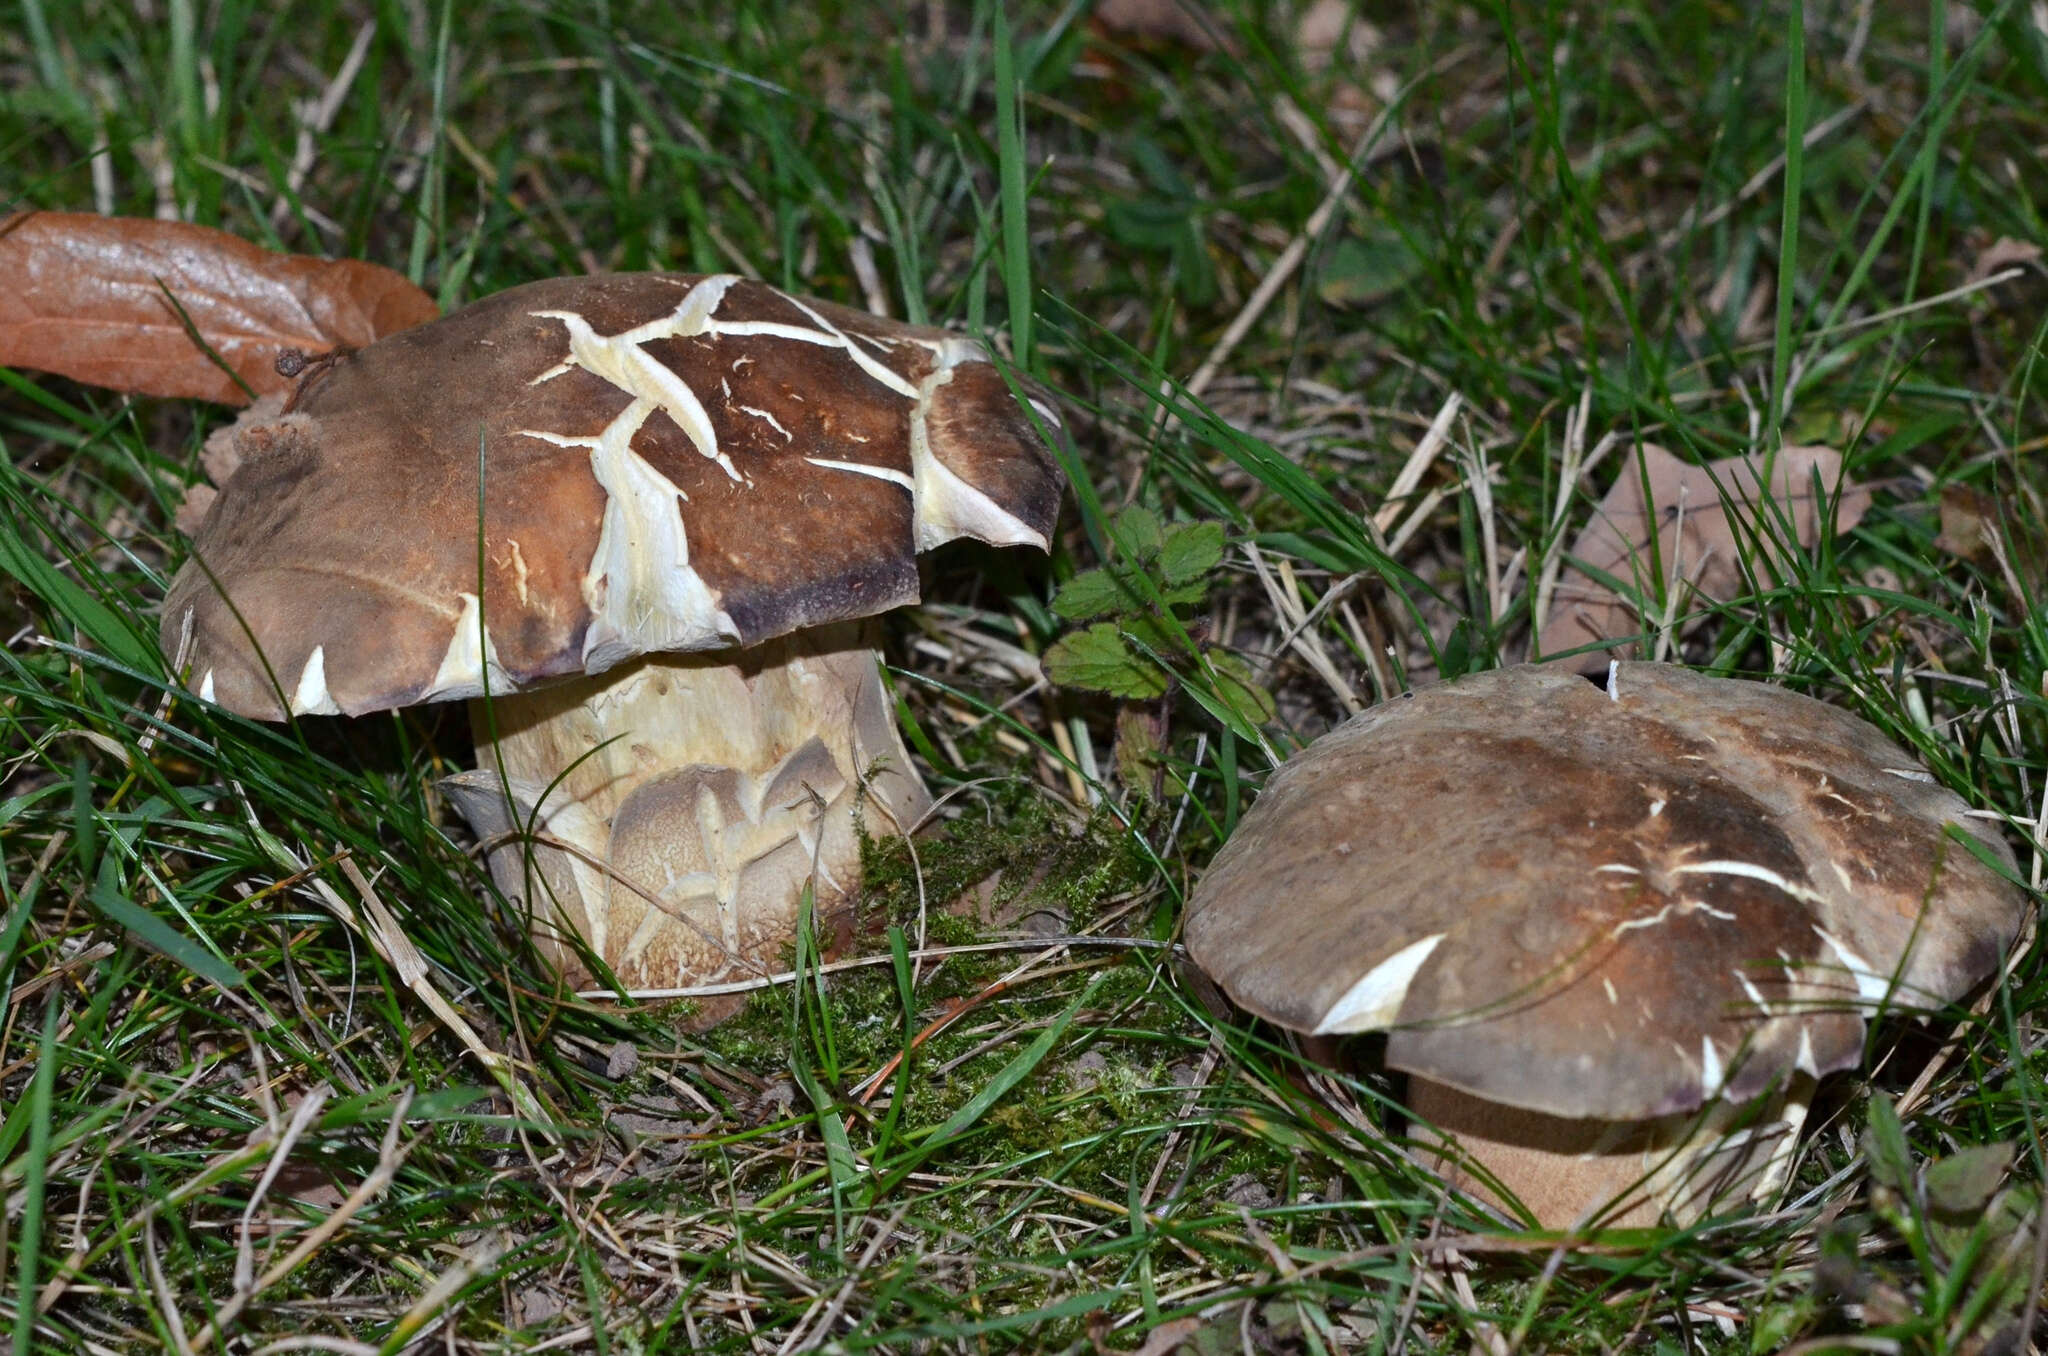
[(693, 797), (651, 516), (1570, 1172)]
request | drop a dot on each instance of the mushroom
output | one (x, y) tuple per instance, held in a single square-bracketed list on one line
[(642, 523), (1614, 935)]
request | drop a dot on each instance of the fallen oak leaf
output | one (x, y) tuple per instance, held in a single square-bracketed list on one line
[(1699, 547), (99, 300)]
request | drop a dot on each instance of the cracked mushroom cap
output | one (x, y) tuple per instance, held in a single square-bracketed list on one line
[(668, 462), (1609, 904)]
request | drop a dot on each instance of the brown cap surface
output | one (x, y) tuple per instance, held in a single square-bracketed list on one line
[(1602, 903), (668, 462)]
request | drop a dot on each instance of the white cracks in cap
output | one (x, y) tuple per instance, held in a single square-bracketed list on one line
[(943, 505), (311, 698), (1805, 1061), (1712, 1076), (1871, 986), (640, 587), (1751, 871), (621, 360), (859, 468), (827, 335), (1375, 1000), (470, 658)]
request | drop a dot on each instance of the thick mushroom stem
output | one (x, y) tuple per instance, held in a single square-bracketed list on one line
[(1571, 1173), (671, 810)]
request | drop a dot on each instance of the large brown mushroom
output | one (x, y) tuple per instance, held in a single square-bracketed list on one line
[(638, 521), (1614, 933)]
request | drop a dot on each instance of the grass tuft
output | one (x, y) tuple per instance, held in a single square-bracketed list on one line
[(1363, 329)]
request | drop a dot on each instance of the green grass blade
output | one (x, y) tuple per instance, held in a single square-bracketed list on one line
[(160, 936), (1788, 225), (1014, 197), (28, 1245), (1015, 1072)]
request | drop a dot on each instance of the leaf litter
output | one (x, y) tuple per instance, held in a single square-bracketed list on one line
[(134, 304), (1670, 532)]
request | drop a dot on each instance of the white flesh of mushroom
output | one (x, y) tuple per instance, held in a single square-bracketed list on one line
[(671, 811)]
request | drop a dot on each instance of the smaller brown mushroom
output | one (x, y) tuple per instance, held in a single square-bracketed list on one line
[(1615, 934)]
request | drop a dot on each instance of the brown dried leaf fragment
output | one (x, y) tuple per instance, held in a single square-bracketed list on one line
[(1699, 550), (1183, 22), (1969, 523), (86, 300), (2001, 254), (1976, 526), (1333, 33)]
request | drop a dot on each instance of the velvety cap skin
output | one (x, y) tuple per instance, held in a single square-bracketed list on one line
[(1603, 902), (667, 462)]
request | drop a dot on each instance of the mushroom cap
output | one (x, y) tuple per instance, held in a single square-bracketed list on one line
[(1612, 904), (668, 462)]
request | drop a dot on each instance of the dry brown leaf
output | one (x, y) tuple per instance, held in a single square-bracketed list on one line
[(1977, 527), (1339, 48), (1698, 548), (1332, 30), (1969, 523), (83, 300), (2001, 254), (1168, 1337), (1186, 22)]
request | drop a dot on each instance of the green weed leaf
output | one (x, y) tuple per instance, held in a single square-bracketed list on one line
[(1963, 1183), (1098, 658), (1093, 593), (1139, 534), (1190, 551)]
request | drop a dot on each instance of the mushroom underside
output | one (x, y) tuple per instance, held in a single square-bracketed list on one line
[(668, 813), (1580, 1173)]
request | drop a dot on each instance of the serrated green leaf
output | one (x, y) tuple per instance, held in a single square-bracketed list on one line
[(1963, 1183), (1185, 595), (1093, 593), (1155, 634), (1098, 658), (1138, 534), (1140, 747), (1190, 551)]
